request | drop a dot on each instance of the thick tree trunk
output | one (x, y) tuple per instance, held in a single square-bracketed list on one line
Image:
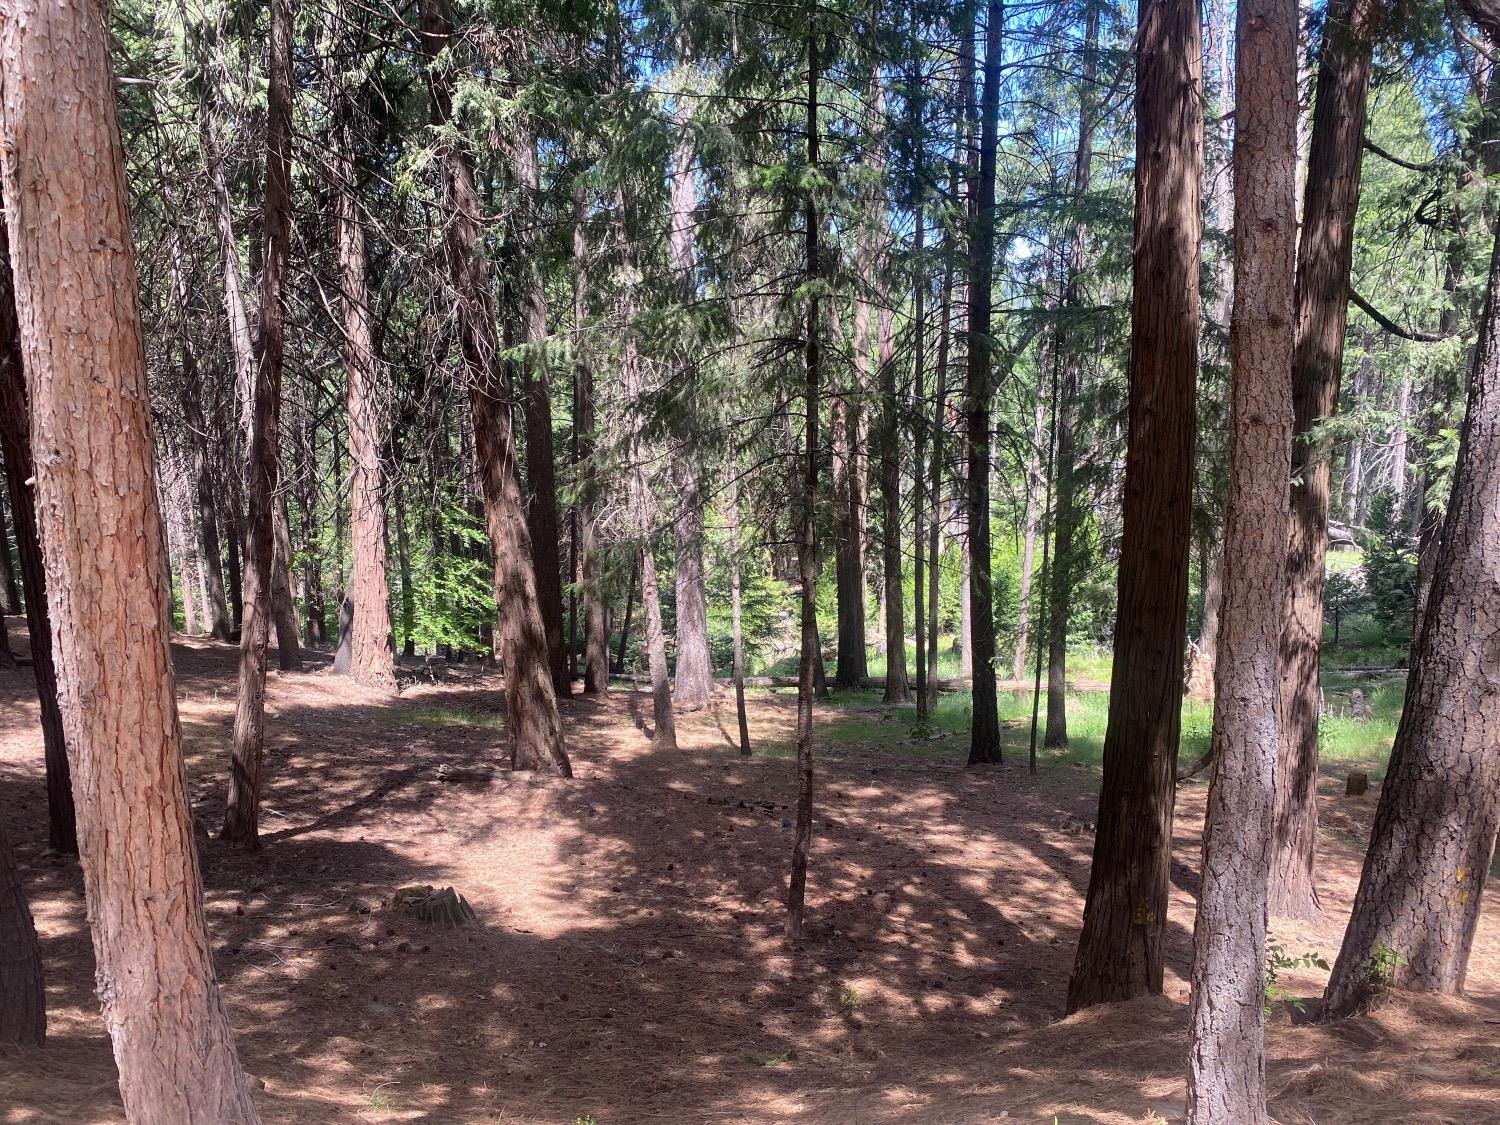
[(809, 654), (532, 722), (23, 994), (979, 392), (1120, 949), (1226, 1059), (242, 812), (1323, 259), (371, 661), (15, 443), (90, 409), (1434, 834)]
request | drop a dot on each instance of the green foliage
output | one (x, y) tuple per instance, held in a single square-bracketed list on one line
[(1278, 961), (1380, 969), (1390, 565)]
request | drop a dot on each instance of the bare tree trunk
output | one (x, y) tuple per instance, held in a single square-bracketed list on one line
[(1434, 834), (979, 392), (20, 469), (1120, 950), (541, 466), (90, 409), (10, 589), (371, 661), (1226, 1059), (1323, 259), (809, 655), (625, 621), (1030, 522), (242, 812), (897, 689), (595, 619), (733, 502), (664, 723), (532, 722), (1205, 659), (23, 993)]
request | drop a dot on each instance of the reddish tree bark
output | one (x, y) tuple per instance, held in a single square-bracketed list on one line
[(532, 722), (1324, 253), (595, 619), (1125, 916), (1226, 1059), (102, 542)]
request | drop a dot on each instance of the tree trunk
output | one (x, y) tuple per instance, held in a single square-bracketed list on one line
[(595, 619), (1226, 1059), (1029, 526), (90, 409), (1125, 916), (915, 102), (532, 722), (664, 723), (242, 813), (15, 443), (542, 519), (10, 589), (979, 392), (1323, 259), (733, 503), (625, 621), (1206, 658), (897, 689), (809, 656), (1434, 834), (23, 993), (371, 661), (851, 665)]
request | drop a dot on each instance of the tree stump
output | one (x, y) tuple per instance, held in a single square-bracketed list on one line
[(1359, 709), (1357, 785), (445, 907)]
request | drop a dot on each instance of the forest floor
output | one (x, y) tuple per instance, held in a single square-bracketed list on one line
[(627, 963)]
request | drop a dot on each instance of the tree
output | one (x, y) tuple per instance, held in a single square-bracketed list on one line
[(532, 723), (370, 660), (103, 552), (1226, 1060), (23, 992), (1434, 833), (242, 809), (1330, 198), (15, 443), (807, 567), (979, 393), (1125, 915)]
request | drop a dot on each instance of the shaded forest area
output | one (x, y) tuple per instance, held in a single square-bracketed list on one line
[(592, 562)]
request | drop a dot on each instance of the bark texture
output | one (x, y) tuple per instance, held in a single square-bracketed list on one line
[(1124, 920), (1226, 1057), (371, 661), (1434, 833), (23, 993), (532, 723), (1323, 258), (102, 542)]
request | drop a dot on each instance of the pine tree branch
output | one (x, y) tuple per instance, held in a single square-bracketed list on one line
[(1391, 326)]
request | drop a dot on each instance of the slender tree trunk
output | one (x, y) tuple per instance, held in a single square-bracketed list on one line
[(1323, 259), (191, 397), (1120, 949), (625, 622), (664, 723), (90, 409), (979, 391), (242, 813), (15, 443), (541, 465), (919, 425), (371, 661), (809, 656), (10, 588), (897, 689), (1226, 1059), (1434, 834), (733, 503), (595, 619), (851, 665), (532, 722), (1029, 525), (1206, 658), (23, 993)]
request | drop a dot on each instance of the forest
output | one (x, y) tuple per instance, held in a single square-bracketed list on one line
[(606, 561)]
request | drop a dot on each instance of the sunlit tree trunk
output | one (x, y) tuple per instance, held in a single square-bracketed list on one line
[(90, 409), (1226, 1059)]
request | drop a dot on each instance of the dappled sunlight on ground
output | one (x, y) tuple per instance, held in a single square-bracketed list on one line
[(627, 963)]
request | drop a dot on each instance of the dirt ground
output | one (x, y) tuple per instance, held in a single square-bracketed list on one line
[(627, 964)]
